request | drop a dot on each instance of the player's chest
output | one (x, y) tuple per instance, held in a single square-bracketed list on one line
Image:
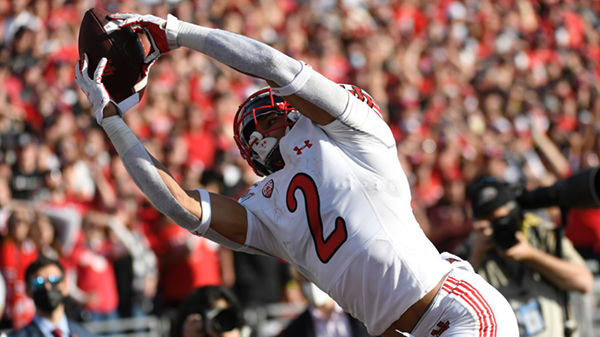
[(298, 206)]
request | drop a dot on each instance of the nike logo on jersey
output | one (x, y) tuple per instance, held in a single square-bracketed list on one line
[(307, 144)]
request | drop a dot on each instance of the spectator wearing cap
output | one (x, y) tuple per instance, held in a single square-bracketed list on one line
[(518, 253), (47, 286)]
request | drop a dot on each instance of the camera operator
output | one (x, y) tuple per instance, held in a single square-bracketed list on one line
[(209, 311), (516, 252)]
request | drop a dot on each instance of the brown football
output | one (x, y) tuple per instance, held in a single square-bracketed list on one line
[(100, 37)]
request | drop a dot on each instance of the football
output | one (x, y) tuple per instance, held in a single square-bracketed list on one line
[(123, 76)]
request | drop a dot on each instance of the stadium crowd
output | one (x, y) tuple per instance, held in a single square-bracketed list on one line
[(508, 88)]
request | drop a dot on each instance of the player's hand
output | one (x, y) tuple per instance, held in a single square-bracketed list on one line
[(161, 33), (93, 88)]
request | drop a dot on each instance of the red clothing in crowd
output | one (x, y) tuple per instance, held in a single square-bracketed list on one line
[(583, 228), (202, 148), (96, 277), (14, 260), (187, 262)]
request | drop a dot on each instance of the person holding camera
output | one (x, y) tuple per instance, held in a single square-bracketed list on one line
[(519, 254), (209, 311)]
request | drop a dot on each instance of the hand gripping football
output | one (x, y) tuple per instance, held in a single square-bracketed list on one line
[(125, 74)]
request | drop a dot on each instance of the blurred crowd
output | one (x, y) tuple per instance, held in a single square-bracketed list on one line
[(507, 88)]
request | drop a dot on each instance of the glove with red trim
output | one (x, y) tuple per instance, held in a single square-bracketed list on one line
[(161, 33), (93, 88)]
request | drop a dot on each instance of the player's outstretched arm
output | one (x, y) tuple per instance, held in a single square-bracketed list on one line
[(229, 218), (311, 93), (187, 208), (192, 210)]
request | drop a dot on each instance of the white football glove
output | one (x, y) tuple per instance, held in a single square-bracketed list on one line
[(161, 33), (93, 88)]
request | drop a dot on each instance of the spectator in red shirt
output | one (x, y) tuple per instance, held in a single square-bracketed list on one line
[(92, 272), (201, 141), (186, 262), (17, 251)]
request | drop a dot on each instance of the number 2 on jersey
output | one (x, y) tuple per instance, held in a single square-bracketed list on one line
[(326, 247)]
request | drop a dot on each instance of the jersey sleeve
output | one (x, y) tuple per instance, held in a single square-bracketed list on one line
[(352, 107), (259, 239), (363, 118), (256, 240)]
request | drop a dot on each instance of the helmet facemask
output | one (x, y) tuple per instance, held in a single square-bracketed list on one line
[(261, 152)]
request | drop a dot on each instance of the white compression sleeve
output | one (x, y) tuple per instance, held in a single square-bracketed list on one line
[(239, 52), (139, 165), (258, 59)]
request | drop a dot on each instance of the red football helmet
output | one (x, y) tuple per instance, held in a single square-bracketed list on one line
[(262, 153)]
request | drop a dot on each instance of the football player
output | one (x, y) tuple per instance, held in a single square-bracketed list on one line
[(334, 201)]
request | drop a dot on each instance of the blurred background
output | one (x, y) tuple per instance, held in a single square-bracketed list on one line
[(507, 88)]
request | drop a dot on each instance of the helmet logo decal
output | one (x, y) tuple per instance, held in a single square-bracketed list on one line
[(267, 190), (307, 144)]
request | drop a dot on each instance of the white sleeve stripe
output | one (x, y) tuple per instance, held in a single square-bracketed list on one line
[(206, 213)]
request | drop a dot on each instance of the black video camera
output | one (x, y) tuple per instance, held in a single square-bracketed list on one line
[(505, 229), (218, 320), (577, 191)]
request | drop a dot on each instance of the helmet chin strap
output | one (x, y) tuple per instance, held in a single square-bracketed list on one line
[(262, 146)]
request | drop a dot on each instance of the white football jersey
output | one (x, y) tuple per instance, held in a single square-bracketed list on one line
[(339, 211)]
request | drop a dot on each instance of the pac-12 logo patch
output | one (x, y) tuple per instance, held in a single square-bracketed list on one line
[(267, 190), (248, 194)]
